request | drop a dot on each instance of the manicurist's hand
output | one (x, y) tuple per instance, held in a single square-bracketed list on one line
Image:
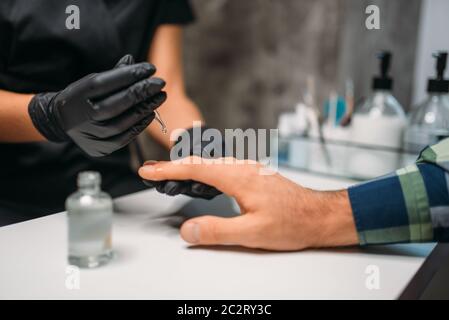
[(101, 112), (277, 214)]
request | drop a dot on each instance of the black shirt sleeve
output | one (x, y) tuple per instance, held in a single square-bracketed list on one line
[(176, 12)]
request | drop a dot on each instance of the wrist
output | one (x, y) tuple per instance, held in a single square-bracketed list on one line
[(43, 118), (337, 226)]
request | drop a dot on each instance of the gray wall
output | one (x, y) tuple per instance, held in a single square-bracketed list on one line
[(246, 61), (399, 22)]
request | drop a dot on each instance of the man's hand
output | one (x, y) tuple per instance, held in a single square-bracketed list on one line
[(196, 146), (277, 214)]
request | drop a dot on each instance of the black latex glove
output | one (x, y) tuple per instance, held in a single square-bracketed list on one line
[(102, 112), (198, 147)]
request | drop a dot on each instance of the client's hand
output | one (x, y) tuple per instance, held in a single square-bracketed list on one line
[(277, 214), (195, 146)]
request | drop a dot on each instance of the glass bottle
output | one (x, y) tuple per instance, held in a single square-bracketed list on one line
[(377, 128), (429, 121), (380, 119), (89, 212)]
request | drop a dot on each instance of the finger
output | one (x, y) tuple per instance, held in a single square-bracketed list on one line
[(228, 176), (112, 128), (110, 81), (174, 188), (124, 138), (161, 186), (126, 60), (210, 230), (121, 101), (198, 189), (128, 119), (153, 184), (190, 188), (135, 115), (149, 183)]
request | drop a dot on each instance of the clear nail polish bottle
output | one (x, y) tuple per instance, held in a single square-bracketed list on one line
[(89, 212)]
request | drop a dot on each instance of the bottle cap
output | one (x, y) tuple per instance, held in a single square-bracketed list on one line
[(383, 82), (88, 179), (439, 84)]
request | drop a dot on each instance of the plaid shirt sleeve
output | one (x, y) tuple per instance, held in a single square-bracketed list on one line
[(410, 205)]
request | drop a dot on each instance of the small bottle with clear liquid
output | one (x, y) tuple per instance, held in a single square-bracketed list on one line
[(89, 212)]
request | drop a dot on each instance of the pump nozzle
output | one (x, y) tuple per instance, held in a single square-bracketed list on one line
[(441, 57), (383, 81), (385, 58), (439, 84)]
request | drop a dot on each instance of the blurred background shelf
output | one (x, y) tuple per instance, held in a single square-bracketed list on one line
[(341, 159)]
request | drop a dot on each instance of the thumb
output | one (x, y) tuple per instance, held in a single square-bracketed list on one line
[(210, 230), (126, 60)]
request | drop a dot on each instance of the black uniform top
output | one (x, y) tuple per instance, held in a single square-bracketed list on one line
[(39, 54)]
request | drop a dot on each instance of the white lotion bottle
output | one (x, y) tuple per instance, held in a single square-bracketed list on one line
[(377, 127)]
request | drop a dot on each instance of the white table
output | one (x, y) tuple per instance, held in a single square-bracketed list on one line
[(154, 263)]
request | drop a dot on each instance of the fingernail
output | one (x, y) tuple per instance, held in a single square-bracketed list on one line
[(147, 66), (149, 162), (158, 82), (171, 188), (147, 169), (192, 232), (143, 69)]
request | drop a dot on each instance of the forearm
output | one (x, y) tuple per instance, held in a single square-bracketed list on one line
[(178, 112), (16, 124)]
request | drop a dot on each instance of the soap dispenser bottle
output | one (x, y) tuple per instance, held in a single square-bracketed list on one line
[(429, 121), (377, 128), (380, 119)]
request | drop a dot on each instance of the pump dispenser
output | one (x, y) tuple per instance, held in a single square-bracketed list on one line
[(429, 121), (439, 84), (380, 119), (377, 127), (383, 82)]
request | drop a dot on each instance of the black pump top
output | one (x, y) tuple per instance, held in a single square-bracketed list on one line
[(439, 84), (383, 82)]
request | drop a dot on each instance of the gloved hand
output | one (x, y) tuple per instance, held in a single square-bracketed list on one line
[(198, 147), (101, 112)]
